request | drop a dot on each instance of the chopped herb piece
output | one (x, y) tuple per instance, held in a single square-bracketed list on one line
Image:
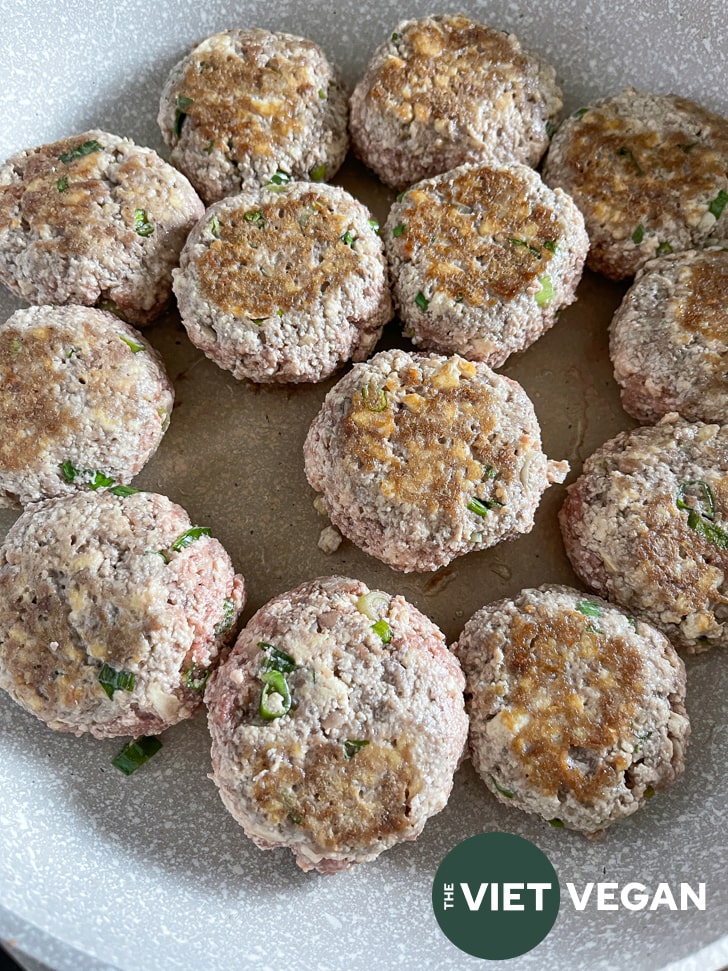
[(705, 497), (421, 300), (275, 659), (62, 184), (714, 534), (16, 345), (163, 553), (112, 680), (93, 479), (70, 353), (295, 818), (522, 242), (550, 128), (189, 536), (649, 792), (401, 195), (399, 230), (142, 226), (589, 608), (580, 112), (69, 471), (209, 147), (318, 174), (546, 294), (374, 225), (136, 753), (504, 792), (476, 537), (625, 152), (375, 399), (352, 746), (489, 472), (638, 235), (718, 204), (228, 617), (255, 216), (383, 630), (550, 245), (556, 823), (183, 103), (275, 699), (257, 320), (348, 238), (478, 507), (85, 149), (321, 93), (279, 178), (395, 37), (214, 227), (135, 348), (123, 491), (113, 308), (632, 623), (663, 249), (279, 312), (197, 678), (459, 298), (373, 604)]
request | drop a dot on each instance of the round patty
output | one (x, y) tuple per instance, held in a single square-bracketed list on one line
[(284, 283), (84, 401), (668, 338), (337, 723), (95, 220), (646, 525), (483, 258), (445, 90), (421, 458), (576, 711), (650, 174), (245, 104), (112, 611)]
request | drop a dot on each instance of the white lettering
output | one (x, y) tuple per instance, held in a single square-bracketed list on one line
[(511, 896), (494, 896), (698, 899), (579, 903), (605, 892), (663, 895), (636, 902), (473, 904), (538, 889)]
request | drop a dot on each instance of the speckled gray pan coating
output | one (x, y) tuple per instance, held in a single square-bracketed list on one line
[(650, 174), (376, 726), (668, 338), (482, 259), (77, 385), (94, 580), (446, 90), (284, 283), (96, 220), (630, 541), (421, 458), (244, 104), (577, 712)]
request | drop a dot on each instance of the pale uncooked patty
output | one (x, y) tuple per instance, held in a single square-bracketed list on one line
[(668, 339), (650, 174), (577, 712), (421, 458), (446, 90), (96, 586), (285, 283), (244, 104), (96, 220), (84, 400), (365, 753), (483, 258)]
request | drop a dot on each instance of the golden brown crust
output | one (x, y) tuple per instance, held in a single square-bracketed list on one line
[(705, 311)]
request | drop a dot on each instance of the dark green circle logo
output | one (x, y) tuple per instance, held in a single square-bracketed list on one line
[(496, 896)]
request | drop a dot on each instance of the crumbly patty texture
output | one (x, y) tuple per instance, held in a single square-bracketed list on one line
[(650, 174), (284, 283), (366, 748), (646, 526), (95, 220), (245, 104), (84, 399), (444, 91), (482, 259), (576, 711), (668, 338), (421, 458), (112, 612)]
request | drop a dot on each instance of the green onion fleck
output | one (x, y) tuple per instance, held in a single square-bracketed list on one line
[(383, 630), (395, 37), (401, 195), (274, 686), (255, 216), (399, 230), (705, 498), (546, 294), (228, 617), (489, 472), (123, 491), (348, 238), (550, 128), (589, 608), (161, 553), (278, 181), (478, 507), (459, 297), (276, 660), (551, 245), (421, 300), (353, 745), (375, 399), (295, 818), (649, 792), (142, 226), (522, 242), (663, 249), (189, 536), (214, 227), (16, 346), (197, 678), (110, 306), (318, 174), (580, 112), (714, 534), (112, 680), (135, 348), (85, 149), (183, 103), (556, 823), (62, 184), (209, 147), (321, 93), (638, 235), (257, 320), (718, 204), (373, 604), (374, 225), (69, 471), (504, 792), (136, 753), (625, 152)]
